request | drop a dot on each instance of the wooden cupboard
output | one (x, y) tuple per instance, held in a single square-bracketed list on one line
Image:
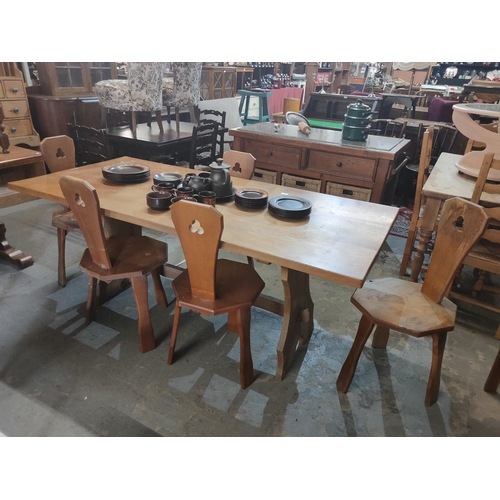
[(217, 82), (73, 78)]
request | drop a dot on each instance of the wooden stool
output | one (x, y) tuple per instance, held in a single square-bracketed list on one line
[(246, 95)]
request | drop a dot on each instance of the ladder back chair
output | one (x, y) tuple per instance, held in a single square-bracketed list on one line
[(203, 149), (59, 154), (212, 286), (387, 128), (212, 116), (417, 309), (91, 144), (116, 257)]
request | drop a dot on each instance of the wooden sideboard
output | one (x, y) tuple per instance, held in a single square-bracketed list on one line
[(323, 161), (51, 114), (17, 122)]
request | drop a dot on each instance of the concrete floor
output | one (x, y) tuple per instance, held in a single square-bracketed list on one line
[(61, 378)]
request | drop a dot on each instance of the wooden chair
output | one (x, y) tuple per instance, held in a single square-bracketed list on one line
[(59, 154), (116, 257), (416, 309), (418, 204), (484, 256), (242, 164), (387, 128), (212, 286), (212, 116), (203, 149)]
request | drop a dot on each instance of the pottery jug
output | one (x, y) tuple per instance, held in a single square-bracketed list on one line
[(221, 179)]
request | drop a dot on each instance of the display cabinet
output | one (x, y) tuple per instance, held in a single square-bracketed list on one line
[(457, 74), (334, 74), (73, 78), (217, 82)]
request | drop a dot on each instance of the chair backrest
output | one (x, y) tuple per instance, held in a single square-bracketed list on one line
[(203, 145), (482, 186), (460, 226), (91, 144), (242, 164), (199, 229), (58, 152), (145, 85), (211, 116), (187, 82), (388, 128), (444, 139), (83, 201)]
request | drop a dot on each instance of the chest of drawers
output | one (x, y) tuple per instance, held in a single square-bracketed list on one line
[(367, 171), (18, 124)]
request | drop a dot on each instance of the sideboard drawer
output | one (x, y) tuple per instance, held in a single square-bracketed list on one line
[(273, 154), (14, 89), (337, 164), (17, 128), (2, 94), (15, 109)]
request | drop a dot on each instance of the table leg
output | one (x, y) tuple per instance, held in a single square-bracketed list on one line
[(297, 317), (12, 254), (429, 218)]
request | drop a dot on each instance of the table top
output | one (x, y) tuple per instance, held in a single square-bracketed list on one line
[(381, 145), (19, 156), (445, 181), (152, 135), (339, 241)]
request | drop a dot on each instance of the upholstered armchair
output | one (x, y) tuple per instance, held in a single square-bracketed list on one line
[(184, 89), (142, 91)]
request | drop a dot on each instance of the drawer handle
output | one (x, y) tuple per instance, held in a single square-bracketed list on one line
[(270, 153), (16, 110), (339, 164), (13, 129), (15, 90)]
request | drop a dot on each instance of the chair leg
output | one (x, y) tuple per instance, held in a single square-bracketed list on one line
[(61, 257), (104, 118), (246, 364), (160, 295), (346, 374), (410, 243), (133, 123), (175, 329), (493, 380), (168, 115), (380, 337), (159, 120), (92, 299), (251, 261), (438, 343), (146, 334), (177, 118)]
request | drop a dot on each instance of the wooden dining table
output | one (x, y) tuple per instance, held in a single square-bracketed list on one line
[(338, 241), (445, 181)]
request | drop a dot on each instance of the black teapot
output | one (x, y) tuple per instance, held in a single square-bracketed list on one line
[(221, 178), (198, 183)]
